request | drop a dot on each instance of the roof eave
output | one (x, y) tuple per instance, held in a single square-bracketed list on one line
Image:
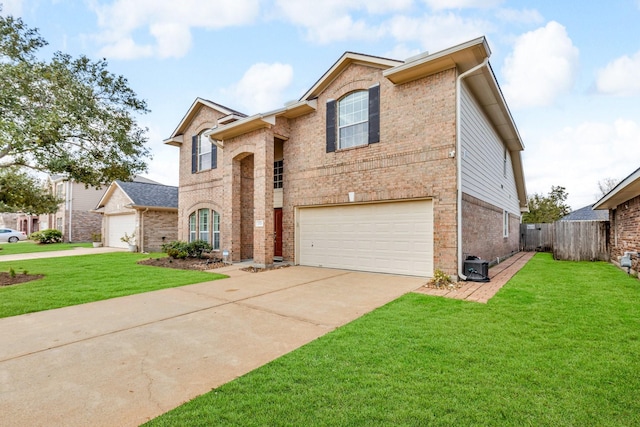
[(463, 56), (262, 121), (155, 208), (627, 189), (176, 141)]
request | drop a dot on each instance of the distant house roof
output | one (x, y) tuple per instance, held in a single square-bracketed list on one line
[(586, 214), (144, 195)]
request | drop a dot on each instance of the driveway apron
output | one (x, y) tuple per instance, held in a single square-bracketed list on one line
[(126, 360)]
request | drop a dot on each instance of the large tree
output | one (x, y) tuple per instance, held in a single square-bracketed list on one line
[(21, 192), (549, 208), (67, 116)]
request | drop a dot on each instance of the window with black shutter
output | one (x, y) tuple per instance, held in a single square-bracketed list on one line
[(354, 120)]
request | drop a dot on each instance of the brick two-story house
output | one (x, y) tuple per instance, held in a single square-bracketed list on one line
[(389, 166)]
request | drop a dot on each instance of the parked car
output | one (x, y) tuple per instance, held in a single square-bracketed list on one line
[(10, 235)]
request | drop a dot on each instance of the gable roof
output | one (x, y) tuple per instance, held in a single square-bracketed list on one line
[(586, 214), (176, 137), (347, 59), (144, 195), (627, 189)]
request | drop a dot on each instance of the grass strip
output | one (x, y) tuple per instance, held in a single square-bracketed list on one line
[(31, 247), (558, 345), (86, 278)]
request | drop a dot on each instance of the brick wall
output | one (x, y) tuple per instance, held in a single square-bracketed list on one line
[(84, 224), (159, 227), (482, 230), (625, 230)]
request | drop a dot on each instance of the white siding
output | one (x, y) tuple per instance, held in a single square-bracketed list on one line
[(482, 159)]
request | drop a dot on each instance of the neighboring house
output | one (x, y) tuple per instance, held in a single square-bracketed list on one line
[(586, 214), (388, 166), (147, 210), (10, 220), (623, 206), (73, 217)]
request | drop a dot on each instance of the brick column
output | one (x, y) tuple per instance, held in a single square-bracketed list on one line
[(263, 238)]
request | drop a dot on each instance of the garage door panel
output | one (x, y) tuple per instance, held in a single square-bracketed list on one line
[(117, 226), (383, 237)]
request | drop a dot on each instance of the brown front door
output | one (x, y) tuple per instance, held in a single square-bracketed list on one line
[(277, 228)]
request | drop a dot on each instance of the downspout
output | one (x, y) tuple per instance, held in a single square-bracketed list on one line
[(70, 206), (459, 163), (141, 237)]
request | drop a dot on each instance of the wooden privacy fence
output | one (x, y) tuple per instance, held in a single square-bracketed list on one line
[(568, 240)]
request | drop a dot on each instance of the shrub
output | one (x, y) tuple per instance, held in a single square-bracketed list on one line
[(47, 236), (440, 279), (181, 250)]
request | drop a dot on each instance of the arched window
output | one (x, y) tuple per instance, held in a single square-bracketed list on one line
[(193, 226), (204, 224), (353, 119)]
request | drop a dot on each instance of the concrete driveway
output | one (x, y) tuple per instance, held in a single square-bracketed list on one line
[(124, 361)]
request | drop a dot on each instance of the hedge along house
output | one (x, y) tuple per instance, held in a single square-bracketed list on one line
[(147, 210), (387, 166)]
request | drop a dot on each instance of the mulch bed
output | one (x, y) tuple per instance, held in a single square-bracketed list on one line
[(182, 264), (7, 280)]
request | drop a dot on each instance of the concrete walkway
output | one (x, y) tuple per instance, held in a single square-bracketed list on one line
[(126, 360)]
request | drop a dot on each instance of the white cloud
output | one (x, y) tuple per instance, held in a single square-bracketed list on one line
[(12, 7), (438, 32), (262, 87), (333, 20), (577, 157), (401, 52), (462, 4), (620, 77), (168, 23), (520, 16), (543, 65)]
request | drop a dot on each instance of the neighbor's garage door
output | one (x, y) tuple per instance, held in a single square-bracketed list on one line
[(117, 225), (394, 237)]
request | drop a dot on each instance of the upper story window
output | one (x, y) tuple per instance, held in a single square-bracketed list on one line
[(278, 172), (204, 154), (353, 120), (59, 189)]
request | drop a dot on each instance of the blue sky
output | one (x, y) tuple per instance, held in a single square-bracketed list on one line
[(569, 71)]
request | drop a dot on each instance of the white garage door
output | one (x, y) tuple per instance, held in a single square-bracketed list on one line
[(117, 225), (392, 237)]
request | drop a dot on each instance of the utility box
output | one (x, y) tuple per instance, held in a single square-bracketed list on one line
[(476, 269)]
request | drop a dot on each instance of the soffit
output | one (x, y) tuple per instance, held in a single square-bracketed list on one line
[(625, 190)]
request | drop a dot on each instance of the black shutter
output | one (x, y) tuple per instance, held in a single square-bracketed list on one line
[(214, 156), (194, 154), (331, 126), (374, 114)]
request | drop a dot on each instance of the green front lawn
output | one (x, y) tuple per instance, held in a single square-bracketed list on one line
[(559, 345), (86, 278), (30, 247)]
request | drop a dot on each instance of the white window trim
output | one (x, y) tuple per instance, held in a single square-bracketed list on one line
[(340, 106), (204, 148)]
